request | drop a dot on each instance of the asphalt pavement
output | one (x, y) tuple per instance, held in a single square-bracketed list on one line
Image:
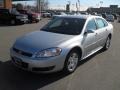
[(101, 71)]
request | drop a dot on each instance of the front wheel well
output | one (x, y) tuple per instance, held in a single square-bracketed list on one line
[(78, 49)]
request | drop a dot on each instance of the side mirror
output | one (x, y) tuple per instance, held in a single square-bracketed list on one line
[(89, 31)]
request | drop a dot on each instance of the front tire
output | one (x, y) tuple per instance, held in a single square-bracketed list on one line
[(71, 62), (12, 22), (37, 21)]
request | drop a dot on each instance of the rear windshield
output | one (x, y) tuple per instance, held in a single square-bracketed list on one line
[(71, 26)]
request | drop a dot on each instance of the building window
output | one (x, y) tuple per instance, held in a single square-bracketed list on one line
[(1, 3)]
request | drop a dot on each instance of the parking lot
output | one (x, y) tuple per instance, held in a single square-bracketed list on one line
[(98, 72)]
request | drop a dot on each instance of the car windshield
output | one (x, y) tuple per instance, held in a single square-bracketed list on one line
[(14, 11), (70, 26)]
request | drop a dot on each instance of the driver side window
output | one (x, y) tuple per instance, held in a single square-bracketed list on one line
[(91, 25)]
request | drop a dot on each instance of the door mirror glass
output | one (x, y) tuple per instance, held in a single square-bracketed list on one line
[(90, 31)]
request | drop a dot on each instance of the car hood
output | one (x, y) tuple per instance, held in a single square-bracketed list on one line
[(22, 15), (40, 40)]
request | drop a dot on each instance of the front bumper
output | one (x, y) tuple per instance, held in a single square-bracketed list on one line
[(42, 65), (22, 20)]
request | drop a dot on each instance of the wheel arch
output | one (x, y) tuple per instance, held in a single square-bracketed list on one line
[(79, 49)]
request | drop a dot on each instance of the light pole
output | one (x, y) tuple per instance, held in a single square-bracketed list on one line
[(79, 4), (101, 2), (69, 3)]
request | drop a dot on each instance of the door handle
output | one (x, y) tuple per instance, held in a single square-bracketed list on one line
[(96, 34)]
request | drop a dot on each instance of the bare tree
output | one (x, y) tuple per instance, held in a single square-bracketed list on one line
[(45, 4), (19, 6), (42, 5)]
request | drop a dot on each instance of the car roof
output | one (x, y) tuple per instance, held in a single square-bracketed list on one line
[(78, 16)]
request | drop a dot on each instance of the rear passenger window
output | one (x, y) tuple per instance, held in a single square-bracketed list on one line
[(100, 23)]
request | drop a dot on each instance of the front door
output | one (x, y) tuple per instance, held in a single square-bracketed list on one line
[(90, 38)]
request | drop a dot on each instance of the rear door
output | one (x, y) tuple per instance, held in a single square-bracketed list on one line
[(101, 31)]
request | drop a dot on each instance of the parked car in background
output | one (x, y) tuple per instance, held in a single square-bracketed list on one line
[(110, 18), (104, 15), (84, 13), (62, 13), (94, 13), (12, 17), (99, 15), (56, 16), (115, 16), (119, 18), (32, 16), (62, 43), (59, 14), (46, 15)]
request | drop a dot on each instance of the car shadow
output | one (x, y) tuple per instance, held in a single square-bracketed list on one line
[(3, 25), (12, 78), (89, 58)]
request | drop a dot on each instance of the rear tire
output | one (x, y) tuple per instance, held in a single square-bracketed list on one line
[(71, 62), (37, 21), (107, 44)]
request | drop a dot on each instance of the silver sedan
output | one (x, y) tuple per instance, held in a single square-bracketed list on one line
[(61, 43)]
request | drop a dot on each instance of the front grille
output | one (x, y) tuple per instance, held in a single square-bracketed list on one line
[(22, 52)]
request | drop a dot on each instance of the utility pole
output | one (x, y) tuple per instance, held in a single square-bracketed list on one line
[(77, 7), (79, 4), (39, 6)]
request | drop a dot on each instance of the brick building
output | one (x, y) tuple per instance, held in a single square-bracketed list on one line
[(6, 4)]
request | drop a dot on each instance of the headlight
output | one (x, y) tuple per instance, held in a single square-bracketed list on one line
[(51, 52), (21, 17)]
